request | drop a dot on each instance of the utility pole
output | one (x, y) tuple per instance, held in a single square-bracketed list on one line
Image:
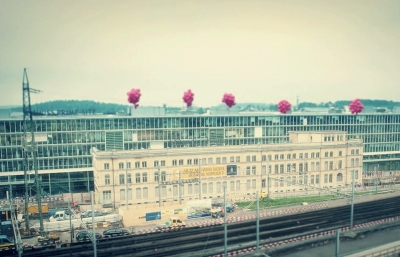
[(258, 224), (225, 227), (30, 150), (94, 239), (126, 190), (70, 219), (199, 179), (179, 185), (337, 242), (159, 187), (352, 204)]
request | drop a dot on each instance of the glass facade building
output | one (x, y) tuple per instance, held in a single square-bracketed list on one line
[(64, 143)]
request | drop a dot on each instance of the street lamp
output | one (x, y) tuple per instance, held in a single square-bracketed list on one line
[(352, 203)]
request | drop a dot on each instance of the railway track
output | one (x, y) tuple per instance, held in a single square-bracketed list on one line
[(201, 238)]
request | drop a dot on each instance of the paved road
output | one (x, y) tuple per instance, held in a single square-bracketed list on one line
[(347, 247)]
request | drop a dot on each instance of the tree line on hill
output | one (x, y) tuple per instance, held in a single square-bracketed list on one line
[(82, 106)]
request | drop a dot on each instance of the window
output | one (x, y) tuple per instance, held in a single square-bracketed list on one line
[(196, 161), (210, 187), (331, 165), (218, 160), (128, 165), (107, 179), (352, 152), (248, 184), (129, 178), (331, 154), (254, 158), (253, 170), (232, 159), (156, 176), (223, 159), (288, 181), (129, 193), (326, 154), (316, 155), (294, 180), (138, 193), (122, 194), (288, 166), (145, 192), (357, 162), (121, 165), (204, 161), (352, 163), (238, 185), (326, 178), (276, 156), (312, 155), (175, 190), (218, 187), (330, 178), (282, 180), (137, 175), (253, 184), (248, 170), (190, 189), (163, 176), (181, 162), (232, 185), (301, 167), (357, 151), (282, 157), (340, 153), (306, 155), (162, 163), (300, 156), (294, 156), (276, 169), (144, 177), (339, 177), (294, 167), (269, 157), (237, 158), (156, 164), (317, 168), (121, 179), (306, 179), (316, 179), (106, 166), (312, 166), (326, 166), (269, 169), (276, 184), (174, 162), (204, 188), (248, 158), (312, 179), (282, 168), (340, 165), (107, 195), (305, 166), (196, 188), (288, 156), (189, 161), (137, 165)]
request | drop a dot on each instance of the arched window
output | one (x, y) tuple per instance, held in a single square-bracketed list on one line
[(339, 177)]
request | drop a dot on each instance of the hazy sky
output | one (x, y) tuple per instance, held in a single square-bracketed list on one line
[(261, 51)]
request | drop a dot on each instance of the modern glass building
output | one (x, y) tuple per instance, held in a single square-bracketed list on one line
[(64, 142)]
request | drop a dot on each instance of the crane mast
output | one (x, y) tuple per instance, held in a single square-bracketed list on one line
[(30, 150)]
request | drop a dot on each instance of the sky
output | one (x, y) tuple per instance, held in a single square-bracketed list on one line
[(259, 50)]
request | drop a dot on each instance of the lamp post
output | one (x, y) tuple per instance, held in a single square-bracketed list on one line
[(126, 188), (225, 227), (159, 187), (352, 203), (70, 219), (258, 224), (93, 226), (179, 185)]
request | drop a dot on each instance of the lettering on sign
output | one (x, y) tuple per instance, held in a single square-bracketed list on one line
[(193, 172)]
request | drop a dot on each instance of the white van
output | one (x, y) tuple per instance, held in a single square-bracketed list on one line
[(59, 216)]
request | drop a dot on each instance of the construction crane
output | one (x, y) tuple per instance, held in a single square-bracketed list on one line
[(30, 150)]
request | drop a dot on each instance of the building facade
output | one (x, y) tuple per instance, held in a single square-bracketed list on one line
[(309, 160), (64, 143)]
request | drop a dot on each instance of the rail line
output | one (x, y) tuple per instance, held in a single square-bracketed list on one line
[(200, 238)]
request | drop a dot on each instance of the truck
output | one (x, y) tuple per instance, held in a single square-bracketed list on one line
[(33, 209), (172, 223), (7, 237), (220, 211), (59, 216)]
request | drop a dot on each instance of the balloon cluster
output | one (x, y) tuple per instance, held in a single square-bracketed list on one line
[(229, 100), (188, 98), (356, 106), (284, 106), (134, 97)]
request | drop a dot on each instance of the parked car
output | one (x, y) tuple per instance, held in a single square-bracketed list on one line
[(84, 235), (115, 232), (88, 214)]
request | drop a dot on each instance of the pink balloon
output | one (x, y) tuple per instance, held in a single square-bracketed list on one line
[(229, 100), (284, 106), (134, 97), (356, 106), (188, 98)]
